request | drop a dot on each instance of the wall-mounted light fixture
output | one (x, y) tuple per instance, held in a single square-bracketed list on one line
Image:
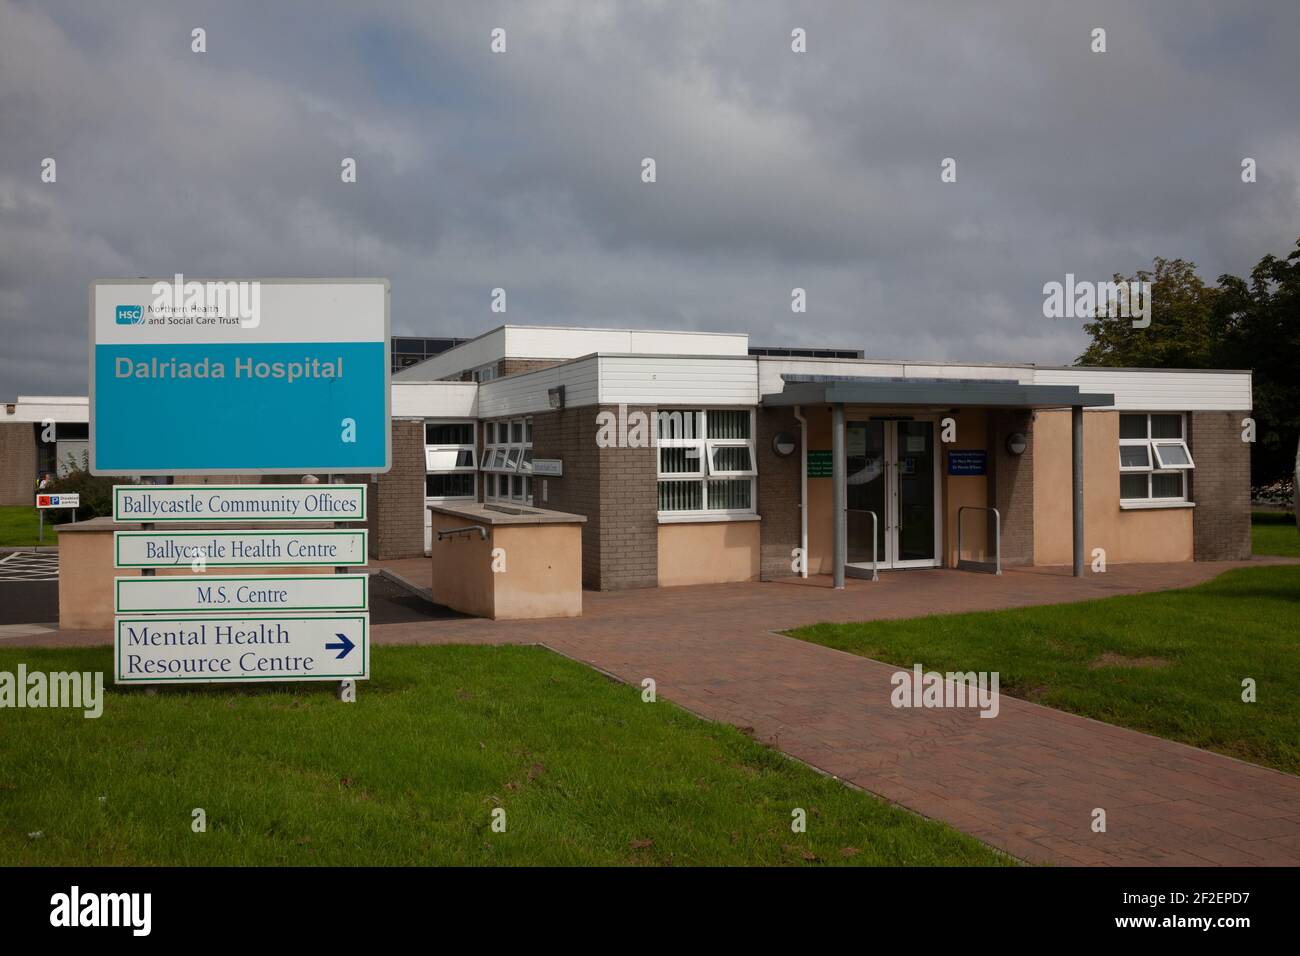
[(555, 396), (784, 444), (1017, 443)]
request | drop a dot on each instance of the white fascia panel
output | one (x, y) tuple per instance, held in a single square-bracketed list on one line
[(37, 408), (435, 400), (1158, 390), (678, 380), (528, 392)]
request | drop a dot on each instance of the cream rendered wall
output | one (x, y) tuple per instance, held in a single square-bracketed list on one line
[(1137, 536), (708, 552)]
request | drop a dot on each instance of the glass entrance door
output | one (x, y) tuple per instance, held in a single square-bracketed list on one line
[(892, 470), (865, 470), (913, 518)]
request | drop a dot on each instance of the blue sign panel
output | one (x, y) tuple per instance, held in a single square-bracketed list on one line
[(973, 462), (209, 378)]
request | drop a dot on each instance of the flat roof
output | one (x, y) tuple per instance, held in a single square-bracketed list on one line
[(836, 390)]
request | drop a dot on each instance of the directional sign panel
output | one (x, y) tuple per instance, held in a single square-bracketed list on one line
[(201, 649), (240, 549), (210, 593), (239, 376), (246, 503)]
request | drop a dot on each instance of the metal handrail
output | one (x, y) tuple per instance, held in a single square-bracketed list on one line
[(448, 532), (997, 542), (875, 545)]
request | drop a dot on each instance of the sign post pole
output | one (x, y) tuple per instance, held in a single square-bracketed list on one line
[(347, 689)]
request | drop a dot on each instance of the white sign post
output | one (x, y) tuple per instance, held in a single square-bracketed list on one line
[(198, 649), (310, 547), (212, 593), (246, 503)]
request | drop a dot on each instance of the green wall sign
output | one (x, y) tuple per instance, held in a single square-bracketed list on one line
[(820, 463)]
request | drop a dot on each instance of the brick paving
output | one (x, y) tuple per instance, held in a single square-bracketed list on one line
[(1026, 782)]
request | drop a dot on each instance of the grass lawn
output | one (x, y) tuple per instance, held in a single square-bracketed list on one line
[(19, 528), (1274, 532), (1169, 663), (586, 772)]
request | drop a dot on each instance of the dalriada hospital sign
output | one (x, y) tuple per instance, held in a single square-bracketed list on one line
[(259, 376)]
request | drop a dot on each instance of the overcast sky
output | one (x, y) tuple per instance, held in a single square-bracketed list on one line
[(523, 170)]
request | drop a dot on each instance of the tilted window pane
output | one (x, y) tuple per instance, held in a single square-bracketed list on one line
[(1135, 456), (442, 459), (1172, 455), (731, 458)]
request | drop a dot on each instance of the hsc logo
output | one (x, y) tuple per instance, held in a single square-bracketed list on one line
[(130, 315)]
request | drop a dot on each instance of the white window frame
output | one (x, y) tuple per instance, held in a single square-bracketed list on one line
[(701, 476), (442, 449), (1156, 465), (522, 468)]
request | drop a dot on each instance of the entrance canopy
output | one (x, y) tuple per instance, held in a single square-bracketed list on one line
[(840, 391), (980, 393)]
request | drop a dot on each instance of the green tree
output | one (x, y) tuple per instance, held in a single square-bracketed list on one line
[(1237, 323), (96, 491)]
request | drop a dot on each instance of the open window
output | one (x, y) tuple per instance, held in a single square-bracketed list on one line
[(707, 461), (508, 458), (1154, 459), (449, 460)]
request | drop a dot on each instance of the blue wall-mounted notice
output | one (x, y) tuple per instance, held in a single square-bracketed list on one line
[(973, 462)]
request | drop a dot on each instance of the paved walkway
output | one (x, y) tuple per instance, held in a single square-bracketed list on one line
[(1026, 782)]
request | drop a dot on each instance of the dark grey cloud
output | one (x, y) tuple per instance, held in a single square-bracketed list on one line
[(522, 170)]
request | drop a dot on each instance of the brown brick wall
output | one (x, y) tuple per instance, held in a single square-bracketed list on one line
[(17, 463), (1011, 484), (615, 488), (778, 493), (395, 501), (629, 498), (514, 366), (1220, 486), (570, 435)]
